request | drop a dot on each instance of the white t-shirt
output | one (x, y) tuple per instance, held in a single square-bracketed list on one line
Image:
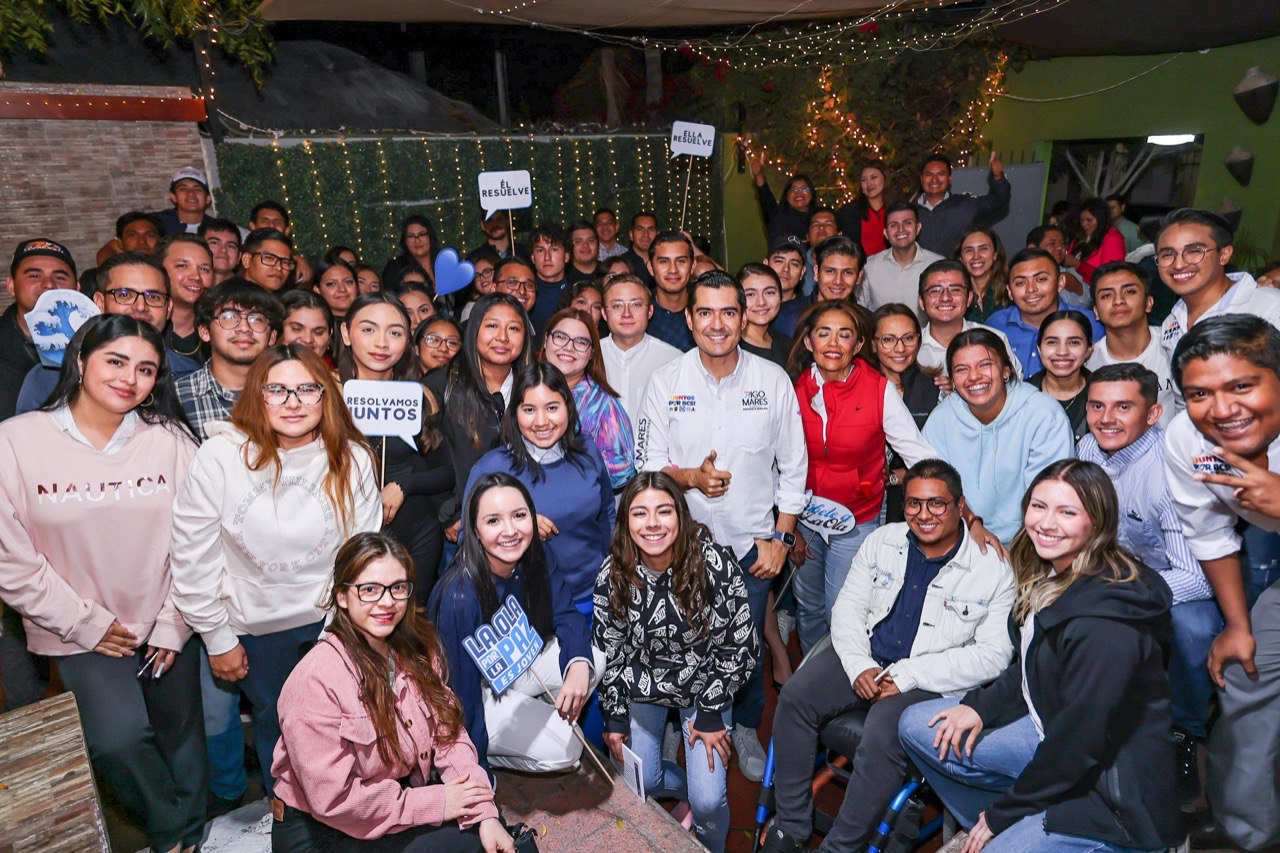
[(933, 355), (1152, 358), (1208, 512)]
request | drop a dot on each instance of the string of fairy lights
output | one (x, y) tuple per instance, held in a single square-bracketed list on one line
[(356, 191)]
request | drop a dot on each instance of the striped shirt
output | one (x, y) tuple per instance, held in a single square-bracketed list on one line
[(1149, 526)]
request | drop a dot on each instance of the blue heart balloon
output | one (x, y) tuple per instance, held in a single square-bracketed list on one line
[(452, 274)]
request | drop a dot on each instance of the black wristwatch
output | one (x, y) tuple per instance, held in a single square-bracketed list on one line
[(788, 539)]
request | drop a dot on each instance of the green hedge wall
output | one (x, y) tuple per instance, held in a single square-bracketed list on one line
[(355, 192)]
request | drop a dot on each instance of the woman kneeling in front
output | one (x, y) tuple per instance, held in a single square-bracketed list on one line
[(366, 719)]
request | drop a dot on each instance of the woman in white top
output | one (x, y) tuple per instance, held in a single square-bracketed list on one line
[(269, 499)]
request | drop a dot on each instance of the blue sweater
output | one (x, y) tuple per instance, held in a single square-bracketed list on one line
[(998, 461), (454, 607), (574, 493)]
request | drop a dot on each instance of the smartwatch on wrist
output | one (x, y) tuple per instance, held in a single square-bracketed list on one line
[(788, 539)]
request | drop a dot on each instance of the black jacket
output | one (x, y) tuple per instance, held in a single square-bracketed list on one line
[(940, 228), (1096, 673), (17, 356), (783, 220)]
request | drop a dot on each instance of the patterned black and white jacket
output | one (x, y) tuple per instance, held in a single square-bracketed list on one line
[(653, 655)]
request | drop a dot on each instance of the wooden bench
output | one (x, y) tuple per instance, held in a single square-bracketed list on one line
[(47, 797)]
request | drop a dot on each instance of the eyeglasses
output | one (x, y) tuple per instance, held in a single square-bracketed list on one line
[(1191, 255), (435, 342), (563, 340), (486, 273), (307, 394), (269, 260), (128, 296), (371, 593), (517, 285), (937, 506), (421, 235), (229, 318), (892, 341), (620, 306), (936, 292)]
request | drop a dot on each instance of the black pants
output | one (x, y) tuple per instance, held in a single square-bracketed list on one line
[(416, 527), (25, 676), (146, 738), (819, 692), (299, 832)]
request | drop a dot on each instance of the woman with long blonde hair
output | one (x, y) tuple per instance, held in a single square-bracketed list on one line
[(367, 718), (1071, 745), (269, 499)]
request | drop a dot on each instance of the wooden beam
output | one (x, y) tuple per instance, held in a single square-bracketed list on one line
[(100, 107)]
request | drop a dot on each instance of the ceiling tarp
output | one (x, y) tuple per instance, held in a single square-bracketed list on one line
[(578, 14), (1064, 27)]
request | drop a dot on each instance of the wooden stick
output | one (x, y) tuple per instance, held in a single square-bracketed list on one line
[(382, 482), (687, 179), (511, 232), (586, 747)]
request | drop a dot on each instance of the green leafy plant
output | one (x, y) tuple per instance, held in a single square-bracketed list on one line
[(237, 28)]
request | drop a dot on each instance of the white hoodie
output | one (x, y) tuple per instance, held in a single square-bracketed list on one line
[(250, 559)]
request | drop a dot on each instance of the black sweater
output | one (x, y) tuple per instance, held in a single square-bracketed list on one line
[(1096, 673)]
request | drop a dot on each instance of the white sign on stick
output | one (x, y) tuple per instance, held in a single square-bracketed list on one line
[(698, 140), (385, 408), (505, 191)]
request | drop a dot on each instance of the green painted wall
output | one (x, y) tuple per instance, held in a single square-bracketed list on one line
[(1191, 94)]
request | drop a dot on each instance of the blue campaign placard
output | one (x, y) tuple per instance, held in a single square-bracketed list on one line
[(504, 647)]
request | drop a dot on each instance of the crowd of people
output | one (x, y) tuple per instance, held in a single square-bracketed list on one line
[(1020, 506)]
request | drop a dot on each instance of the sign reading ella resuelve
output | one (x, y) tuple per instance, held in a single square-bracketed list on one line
[(827, 518), (698, 140), (504, 647), (385, 408), (505, 191)]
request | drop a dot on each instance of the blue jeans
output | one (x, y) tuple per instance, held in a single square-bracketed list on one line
[(1029, 836), (224, 735), (1260, 560), (1195, 624), (704, 789), (748, 704), (271, 658), (819, 580), (968, 788)]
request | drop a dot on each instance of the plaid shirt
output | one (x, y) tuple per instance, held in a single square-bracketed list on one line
[(204, 400)]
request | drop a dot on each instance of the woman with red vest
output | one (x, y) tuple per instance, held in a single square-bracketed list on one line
[(850, 413)]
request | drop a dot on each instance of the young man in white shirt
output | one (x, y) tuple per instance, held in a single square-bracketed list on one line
[(1122, 300), (1192, 253), (726, 425), (945, 294), (894, 274), (630, 355), (1222, 458), (894, 643)]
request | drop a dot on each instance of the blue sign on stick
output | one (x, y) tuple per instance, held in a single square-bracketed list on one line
[(504, 647)]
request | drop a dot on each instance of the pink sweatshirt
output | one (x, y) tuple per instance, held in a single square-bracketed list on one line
[(84, 534), (327, 764)]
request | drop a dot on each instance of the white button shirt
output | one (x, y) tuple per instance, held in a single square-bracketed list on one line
[(628, 371), (886, 282), (1152, 358), (1208, 512), (751, 418), (1242, 297), (933, 355)]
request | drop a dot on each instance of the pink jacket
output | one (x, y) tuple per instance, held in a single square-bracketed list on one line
[(1110, 249), (327, 764)]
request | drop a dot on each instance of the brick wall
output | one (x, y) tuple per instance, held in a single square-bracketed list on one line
[(69, 180)]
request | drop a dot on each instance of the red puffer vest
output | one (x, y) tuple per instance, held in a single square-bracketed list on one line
[(848, 466)]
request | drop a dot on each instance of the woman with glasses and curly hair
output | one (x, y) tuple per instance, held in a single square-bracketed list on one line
[(269, 498), (367, 718)]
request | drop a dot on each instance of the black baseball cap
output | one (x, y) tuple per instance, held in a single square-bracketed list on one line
[(42, 246), (790, 243)]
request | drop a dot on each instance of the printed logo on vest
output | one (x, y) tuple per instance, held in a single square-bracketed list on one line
[(755, 401)]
